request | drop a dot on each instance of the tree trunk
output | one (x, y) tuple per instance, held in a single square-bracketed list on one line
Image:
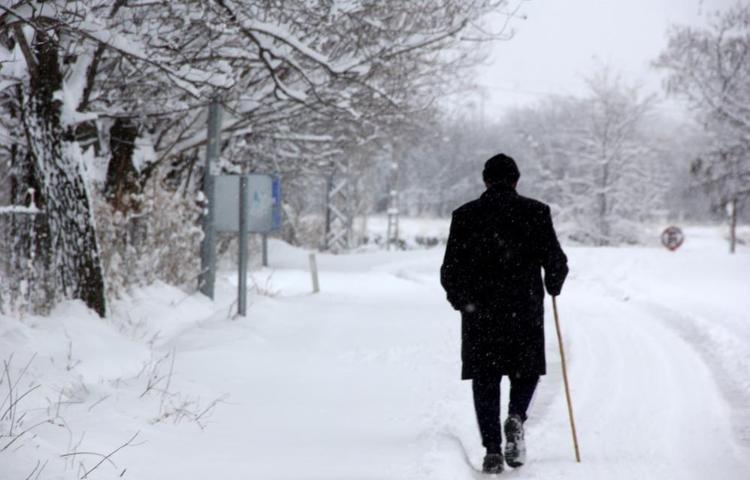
[(604, 230), (122, 177), (58, 168)]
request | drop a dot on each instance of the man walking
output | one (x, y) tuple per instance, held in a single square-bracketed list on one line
[(497, 247)]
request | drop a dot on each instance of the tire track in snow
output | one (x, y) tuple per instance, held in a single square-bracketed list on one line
[(646, 404), (734, 391)]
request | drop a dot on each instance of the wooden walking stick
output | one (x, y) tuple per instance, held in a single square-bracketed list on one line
[(565, 380)]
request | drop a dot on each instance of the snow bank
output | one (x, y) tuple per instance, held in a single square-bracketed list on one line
[(82, 384), (361, 380)]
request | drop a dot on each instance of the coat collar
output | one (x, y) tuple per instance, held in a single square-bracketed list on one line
[(498, 193)]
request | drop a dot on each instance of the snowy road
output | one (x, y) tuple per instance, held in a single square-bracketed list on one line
[(362, 380)]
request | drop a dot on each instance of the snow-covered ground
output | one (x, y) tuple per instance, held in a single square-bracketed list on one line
[(362, 380)]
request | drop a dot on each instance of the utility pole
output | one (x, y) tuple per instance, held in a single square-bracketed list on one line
[(207, 277)]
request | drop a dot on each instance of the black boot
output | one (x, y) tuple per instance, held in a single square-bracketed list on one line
[(493, 462), (515, 447)]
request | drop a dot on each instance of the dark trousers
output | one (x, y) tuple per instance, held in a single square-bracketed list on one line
[(487, 405)]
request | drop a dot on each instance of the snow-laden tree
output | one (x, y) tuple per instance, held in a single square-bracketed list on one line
[(594, 159), (598, 160), (441, 163), (56, 161), (618, 161), (124, 85), (710, 66)]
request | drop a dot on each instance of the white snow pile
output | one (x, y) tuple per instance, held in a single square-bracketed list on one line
[(362, 380)]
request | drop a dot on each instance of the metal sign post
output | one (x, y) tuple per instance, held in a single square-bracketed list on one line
[(242, 283), (264, 247), (207, 277), (246, 204)]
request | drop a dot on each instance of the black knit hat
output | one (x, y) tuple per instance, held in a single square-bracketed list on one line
[(501, 169)]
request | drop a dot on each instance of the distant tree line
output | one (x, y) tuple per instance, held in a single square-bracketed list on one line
[(607, 162)]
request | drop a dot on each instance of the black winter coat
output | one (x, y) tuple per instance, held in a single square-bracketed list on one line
[(497, 247)]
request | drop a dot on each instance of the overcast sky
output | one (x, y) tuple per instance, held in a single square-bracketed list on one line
[(561, 41)]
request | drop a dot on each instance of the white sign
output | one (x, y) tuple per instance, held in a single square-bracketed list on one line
[(262, 203)]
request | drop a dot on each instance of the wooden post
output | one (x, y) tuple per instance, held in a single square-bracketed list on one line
[(565, 381), (314, 273)]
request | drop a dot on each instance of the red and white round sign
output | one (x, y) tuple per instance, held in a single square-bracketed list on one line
[(672, 237)]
